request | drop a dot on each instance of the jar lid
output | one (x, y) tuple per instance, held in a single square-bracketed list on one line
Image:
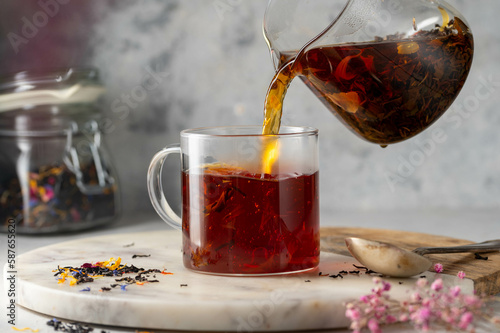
[(47, 103), (27, 89)]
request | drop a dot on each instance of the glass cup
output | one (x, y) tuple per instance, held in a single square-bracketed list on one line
[(243, 214)]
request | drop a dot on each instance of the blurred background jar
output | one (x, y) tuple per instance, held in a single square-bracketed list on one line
[(55, 173)]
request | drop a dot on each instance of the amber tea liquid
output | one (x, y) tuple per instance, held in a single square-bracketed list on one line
[(385, 91), (244, 223)]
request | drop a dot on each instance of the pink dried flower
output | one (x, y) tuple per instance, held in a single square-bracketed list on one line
[(455, 291), (461, 274), (427, 302), (423, 314), (355, 325), (377, 292), (438, 268), (373, 326), (447, 318), (353, 314), (437, 285), (415, 297), (465, 320), (455, 312), (422, 282), (364, 299), (472, 301), (425, 307)]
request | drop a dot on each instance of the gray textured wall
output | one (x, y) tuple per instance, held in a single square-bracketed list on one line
[(214, 70)]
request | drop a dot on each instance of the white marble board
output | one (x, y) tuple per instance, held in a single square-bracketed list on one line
[(208, 302)]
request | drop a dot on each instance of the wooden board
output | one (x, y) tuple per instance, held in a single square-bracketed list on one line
[(484, 273)]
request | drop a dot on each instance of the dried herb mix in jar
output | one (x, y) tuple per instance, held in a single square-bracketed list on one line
[(55, 198)]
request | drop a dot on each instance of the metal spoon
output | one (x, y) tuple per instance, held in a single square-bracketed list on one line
[(391, 260)]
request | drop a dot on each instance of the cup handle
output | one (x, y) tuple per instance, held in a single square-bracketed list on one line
[(155, 187)]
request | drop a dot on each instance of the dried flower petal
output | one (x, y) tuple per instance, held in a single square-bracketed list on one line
[(455, 291), (353, 314), (364, 299), (422, 282), (408, 47), (25, 329), (438, 268), (465, 320), (437, 285), (415, 297), (166, 273), (373, 326), (461, 275), (349, 101)]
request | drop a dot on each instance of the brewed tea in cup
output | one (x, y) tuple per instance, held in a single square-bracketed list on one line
[(250, 202)]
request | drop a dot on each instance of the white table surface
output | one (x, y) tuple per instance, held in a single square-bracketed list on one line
[(474, 225)]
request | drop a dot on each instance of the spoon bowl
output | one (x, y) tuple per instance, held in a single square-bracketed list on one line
[(386, 258), (391, 260)]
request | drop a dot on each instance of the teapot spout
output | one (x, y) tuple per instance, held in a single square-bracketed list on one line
[(290, 24)]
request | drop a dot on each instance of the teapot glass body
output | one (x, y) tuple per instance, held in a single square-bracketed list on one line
[(387, 69)]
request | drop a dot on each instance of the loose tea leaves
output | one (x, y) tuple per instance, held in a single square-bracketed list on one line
[(87, 272), (73, 327), (480, 257)]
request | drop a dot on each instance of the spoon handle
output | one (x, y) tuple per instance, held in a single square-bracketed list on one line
[(488, 246)]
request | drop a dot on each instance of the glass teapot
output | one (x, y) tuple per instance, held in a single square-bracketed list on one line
[(387, 69)]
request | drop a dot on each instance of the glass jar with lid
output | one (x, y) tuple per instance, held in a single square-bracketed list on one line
[(55, 174)]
